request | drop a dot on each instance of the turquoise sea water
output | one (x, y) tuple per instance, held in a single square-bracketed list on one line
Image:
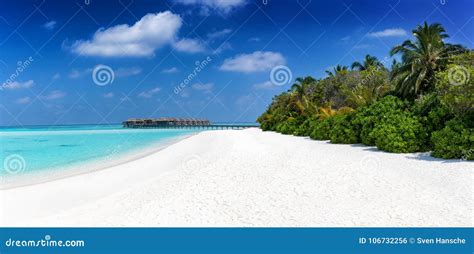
[(49, 148)]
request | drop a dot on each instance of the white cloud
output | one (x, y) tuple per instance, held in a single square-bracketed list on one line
[(254, 62), (224, 46), (185, 93), (205, 87), (170, 70), (56, 94), (23, 100), (391, 32), (120, 72), (108, 95), (50, 25), (141, 39), (15, 85), (264, 85), (215, 36), (149, 93), (75, 74), (56, 76), (189, 45), (254, 39), (346, 38), (125, 72), (218, 34), (222, 5)]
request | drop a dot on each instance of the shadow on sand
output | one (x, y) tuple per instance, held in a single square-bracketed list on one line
[(426, 156)]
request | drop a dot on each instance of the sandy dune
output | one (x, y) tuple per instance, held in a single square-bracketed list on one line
[(254, 178)]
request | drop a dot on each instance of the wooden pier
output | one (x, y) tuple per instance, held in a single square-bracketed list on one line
[(181, 123)]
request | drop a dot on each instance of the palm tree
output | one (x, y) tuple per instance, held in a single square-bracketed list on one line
[(368, 61), (366, 94), (336, 70), (326, 112), (301, 84), (300, 90), (421, 58)]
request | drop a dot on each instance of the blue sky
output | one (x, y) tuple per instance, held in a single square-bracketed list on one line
[(189, 58)]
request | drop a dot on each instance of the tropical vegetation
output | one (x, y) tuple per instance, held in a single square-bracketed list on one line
[(422, 102)]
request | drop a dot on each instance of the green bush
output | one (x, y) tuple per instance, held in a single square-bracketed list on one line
[(399, 133), (343, 131), (321, 129), (367, 118), (455, 86), (455, 141), (265, 122), (306, 127), (287, 127), (433, 115)]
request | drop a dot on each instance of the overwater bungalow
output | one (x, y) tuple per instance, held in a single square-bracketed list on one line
[(165, 122)]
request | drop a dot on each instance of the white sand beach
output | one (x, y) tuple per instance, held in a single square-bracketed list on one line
[(254, 178)]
